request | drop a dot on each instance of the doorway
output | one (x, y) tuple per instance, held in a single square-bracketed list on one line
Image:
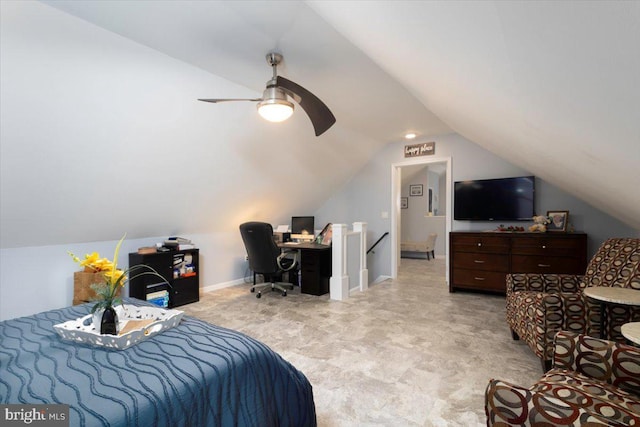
[(396, 206)]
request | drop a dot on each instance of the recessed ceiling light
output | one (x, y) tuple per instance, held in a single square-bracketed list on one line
[(410, 135)]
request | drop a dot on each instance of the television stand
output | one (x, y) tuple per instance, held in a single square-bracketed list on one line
[(480, 261)]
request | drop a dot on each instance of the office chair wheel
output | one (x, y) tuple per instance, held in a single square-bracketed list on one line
[(253, 290), (258, 295), (284, 293)]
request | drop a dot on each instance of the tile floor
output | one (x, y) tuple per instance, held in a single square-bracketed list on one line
[(404, 353)]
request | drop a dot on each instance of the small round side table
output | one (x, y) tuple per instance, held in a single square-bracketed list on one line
[(631, 331), (611, 295)]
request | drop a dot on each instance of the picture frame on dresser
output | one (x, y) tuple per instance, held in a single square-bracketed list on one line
[(558, 221)]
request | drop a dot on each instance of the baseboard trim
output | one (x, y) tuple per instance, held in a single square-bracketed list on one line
[(381, 278), (223, 285), (237, 282)]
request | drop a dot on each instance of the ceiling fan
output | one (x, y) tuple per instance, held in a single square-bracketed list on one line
[(276, 107)]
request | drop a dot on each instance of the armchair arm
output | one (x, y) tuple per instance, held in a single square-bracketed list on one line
[(536, 317), (506, 404), (544, 282), (615, 363)]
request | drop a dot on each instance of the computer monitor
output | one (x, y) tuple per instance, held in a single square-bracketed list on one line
[(302, 225)]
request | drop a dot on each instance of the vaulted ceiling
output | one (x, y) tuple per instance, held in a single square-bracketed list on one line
[(553, 87)]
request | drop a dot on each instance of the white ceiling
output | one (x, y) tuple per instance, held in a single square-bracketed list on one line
[(553, 87), (231, 38)]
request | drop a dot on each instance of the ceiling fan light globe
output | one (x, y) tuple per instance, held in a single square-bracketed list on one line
[(275, 110)]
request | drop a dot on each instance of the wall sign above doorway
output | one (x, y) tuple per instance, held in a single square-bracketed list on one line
[(423, 149)]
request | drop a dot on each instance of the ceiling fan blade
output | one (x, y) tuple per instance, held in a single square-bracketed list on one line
[(321, 117), (229, 99)]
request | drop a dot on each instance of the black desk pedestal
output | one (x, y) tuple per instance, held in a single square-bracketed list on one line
[(315, 267)]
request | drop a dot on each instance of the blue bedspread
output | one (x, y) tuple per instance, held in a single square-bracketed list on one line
[(195, 374)]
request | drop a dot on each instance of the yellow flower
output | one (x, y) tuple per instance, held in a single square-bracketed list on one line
[(114, 278), (89, 260)]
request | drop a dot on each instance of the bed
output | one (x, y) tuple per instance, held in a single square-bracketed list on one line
[(196, 374)]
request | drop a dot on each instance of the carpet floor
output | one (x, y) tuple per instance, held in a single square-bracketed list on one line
[(404, 353)]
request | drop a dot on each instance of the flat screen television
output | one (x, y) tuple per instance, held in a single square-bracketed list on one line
[(502, 199)]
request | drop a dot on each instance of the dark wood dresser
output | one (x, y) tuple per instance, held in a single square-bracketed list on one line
[(481, 260)]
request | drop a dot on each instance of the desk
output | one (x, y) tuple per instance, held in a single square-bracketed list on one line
[(611, 295), (631, 331), (315, 266)]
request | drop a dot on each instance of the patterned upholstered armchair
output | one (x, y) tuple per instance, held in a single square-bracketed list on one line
[(540, 305), (593, 382)]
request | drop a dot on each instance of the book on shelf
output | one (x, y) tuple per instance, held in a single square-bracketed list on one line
[(179, 245), (159, 298), (160, 302), (177, 240), (186, 246), (178, 259), (157, 294)]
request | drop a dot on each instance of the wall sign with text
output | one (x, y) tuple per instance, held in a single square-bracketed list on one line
[(424, 149)]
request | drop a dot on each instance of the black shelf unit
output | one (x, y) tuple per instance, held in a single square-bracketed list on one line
[(174, 266)]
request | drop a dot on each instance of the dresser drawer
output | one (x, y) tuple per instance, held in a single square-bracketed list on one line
[(547, 246), (482, 261), (546, 264), (480, 243), (478, 279)]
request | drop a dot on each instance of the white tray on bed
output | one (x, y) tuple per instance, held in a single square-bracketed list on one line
[(146, 322)]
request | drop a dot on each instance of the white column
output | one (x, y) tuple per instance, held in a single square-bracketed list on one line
[(361, 227), (339, 282)]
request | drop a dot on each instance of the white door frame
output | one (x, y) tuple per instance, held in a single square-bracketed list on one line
[(396, 183)]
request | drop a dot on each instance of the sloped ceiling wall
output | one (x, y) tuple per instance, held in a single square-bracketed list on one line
[(553, 87), (102, 135), (98, 105)]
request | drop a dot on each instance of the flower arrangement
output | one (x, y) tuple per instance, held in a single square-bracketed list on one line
[(113, 278)]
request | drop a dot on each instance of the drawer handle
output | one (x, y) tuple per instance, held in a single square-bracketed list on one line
[(544, 246), (479, 278), (544, 265), (479, 244), (478, 261)]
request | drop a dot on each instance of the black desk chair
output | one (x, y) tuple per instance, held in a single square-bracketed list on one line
[(265, 257)]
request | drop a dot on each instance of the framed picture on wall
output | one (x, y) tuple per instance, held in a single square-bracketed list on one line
[(558, 219), (415, 190), (404, 202)]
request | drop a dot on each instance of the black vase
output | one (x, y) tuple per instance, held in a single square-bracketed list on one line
[(109, 323)]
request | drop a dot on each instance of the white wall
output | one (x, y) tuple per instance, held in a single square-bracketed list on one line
[(416, 226), (35, 279), (97, 129), (368, 195), (413, 217), (100, 136)]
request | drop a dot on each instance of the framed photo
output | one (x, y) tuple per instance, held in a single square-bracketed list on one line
[(404, 202), (559, 220), (415, 190), (326, 235)]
